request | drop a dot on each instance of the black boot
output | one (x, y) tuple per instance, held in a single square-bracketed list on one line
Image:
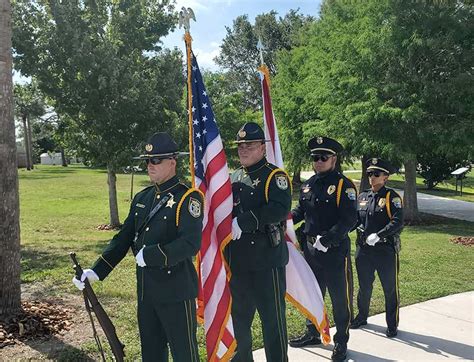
[(339, 353), (358, 322), (307, 339), (391, 332)]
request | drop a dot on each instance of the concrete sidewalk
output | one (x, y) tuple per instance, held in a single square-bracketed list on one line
[(438, 329)]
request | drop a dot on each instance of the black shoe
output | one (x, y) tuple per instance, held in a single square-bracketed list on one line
[(339, 353), (391, 332), (358, 322), (306, 339)]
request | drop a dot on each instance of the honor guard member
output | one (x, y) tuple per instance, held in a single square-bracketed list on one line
[(380, 222), (258, 253), (327, 204), (163, 229)]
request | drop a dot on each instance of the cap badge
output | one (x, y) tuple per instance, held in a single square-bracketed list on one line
[(242, 133), (374, 161), (319, 140), (149, 147)]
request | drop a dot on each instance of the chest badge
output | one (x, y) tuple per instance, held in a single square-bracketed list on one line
[(306, 188), (170, 202), (331, 189), (381, 203), (281, 182), (194, 207), (255, 182)]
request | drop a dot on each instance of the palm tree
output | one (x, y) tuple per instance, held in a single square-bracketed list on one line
[(9, 201)]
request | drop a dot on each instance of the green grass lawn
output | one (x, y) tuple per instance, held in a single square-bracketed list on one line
[(62, 207), (444, 189)]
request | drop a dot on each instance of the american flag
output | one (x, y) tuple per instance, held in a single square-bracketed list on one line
[(302, 288), (211, 176)]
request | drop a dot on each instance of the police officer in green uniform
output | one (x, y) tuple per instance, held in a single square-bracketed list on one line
[(380, 222), (163, 230), (327, 204), (258, 253)]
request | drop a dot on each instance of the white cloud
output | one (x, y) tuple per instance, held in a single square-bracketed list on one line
[(206, 58)]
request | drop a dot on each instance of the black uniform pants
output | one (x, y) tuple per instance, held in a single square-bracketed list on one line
[(333, 271), (384, 260), (262, 290), (163, 323)]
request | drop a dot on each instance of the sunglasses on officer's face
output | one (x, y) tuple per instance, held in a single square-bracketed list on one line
[(154, 160), (374, 173), (323, 158)]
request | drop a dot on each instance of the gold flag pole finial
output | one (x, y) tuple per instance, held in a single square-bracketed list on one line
[(263, 68)]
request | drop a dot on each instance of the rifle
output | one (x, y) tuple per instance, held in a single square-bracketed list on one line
[(92, 303)]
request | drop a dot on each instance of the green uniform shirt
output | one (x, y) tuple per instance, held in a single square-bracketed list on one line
[(262, 196), (171, 239)]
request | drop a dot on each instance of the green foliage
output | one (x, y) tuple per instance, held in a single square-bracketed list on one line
[(102, 65), (239, 54), (435, 169)]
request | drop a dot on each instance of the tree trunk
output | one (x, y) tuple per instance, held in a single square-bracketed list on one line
[(30, 142), (63, 158), (410, 202), (9, 201), (364, 181), (113, 205), (297, 175), (27, 141)]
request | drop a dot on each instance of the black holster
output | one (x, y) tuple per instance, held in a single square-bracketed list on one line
[(275, 233)]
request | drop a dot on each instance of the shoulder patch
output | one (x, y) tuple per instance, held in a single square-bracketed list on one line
[(194, 207), (397, 202), (351, 193), (281, 181)]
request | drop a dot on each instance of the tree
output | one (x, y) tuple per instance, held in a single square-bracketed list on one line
[(240, 57), (9, 200), (435, 169), (29, 105), (102, 65)]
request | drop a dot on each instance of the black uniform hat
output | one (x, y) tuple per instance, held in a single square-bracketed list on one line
[(380, 165), (324, 145), (250, 132), (160, 145)]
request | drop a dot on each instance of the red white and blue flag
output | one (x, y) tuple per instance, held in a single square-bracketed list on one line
[(211, 177)]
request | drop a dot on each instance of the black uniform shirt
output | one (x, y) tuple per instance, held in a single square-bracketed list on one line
[(328, 204)]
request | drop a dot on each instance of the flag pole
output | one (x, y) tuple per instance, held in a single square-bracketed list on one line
[(185, 15)]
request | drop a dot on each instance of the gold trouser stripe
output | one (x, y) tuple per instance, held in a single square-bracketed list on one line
[(397, 286), (277, 307), (347, 295), (111, 267), (189, 325), (387, 205)]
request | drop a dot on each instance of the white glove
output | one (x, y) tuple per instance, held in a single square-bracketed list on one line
[(139, 258), (86, 273), (236, 230), (317, 245), (372, 239)]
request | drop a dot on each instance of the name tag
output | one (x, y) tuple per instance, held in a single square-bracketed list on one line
[(140, 205)]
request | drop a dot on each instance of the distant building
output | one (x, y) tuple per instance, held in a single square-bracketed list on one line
[(51, 158)]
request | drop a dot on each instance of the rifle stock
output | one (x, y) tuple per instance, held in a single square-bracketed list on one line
[(104, 320)]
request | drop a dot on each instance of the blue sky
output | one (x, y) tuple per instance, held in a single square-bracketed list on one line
[(212, 16)]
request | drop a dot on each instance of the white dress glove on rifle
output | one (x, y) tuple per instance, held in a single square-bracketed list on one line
[(86, 273), (139, 258), (236, 230), (318, 246), (372, 239)]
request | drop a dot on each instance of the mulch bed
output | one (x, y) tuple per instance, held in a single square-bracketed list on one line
[(36, 320), (108, 227), (463, 240)]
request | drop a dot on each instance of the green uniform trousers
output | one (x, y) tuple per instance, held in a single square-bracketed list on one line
[(262, 290), (163, 323)]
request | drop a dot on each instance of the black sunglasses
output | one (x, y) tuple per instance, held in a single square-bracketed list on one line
[(374, 173), (323, 158), (154, 160)]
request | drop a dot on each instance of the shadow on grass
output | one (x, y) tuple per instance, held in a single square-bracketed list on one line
[(55, 349), (49, 173), (439, 224)]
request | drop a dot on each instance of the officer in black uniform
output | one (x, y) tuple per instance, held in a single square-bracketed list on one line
[(163, 229), (380, 222), (327, 204), (258, 253)]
